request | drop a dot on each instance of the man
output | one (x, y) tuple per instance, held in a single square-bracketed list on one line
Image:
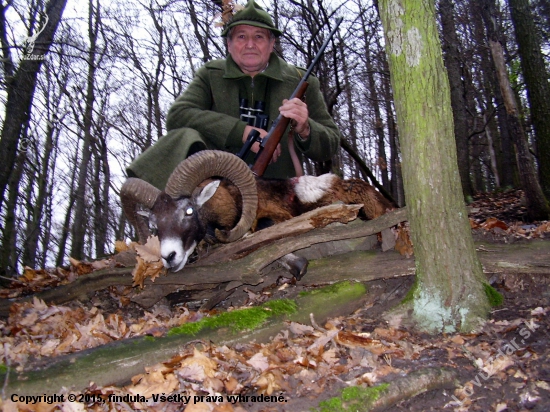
[(210, 113)]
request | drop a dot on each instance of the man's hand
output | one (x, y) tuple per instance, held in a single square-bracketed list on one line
[(296, 110), (256, 146)]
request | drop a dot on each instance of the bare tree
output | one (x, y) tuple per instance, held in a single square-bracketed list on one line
[(537, 82)]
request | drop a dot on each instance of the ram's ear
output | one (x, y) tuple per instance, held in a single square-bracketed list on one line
[(206, 193)]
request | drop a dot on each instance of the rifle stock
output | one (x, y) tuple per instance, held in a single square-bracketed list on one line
[(273, 138)]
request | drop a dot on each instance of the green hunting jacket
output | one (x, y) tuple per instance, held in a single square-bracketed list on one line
[(210, 108)]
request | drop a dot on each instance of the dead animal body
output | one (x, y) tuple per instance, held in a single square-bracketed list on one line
[(214, 196)]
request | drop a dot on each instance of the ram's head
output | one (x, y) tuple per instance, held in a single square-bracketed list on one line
[(178, 212)]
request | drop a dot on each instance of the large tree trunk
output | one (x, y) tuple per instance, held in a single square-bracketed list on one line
[(536, 80), (537, 205), (449, 294)]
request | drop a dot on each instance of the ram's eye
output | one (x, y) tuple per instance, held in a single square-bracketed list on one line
[(189, 211)]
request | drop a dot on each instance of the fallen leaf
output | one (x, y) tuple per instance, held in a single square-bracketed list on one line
[(259, 362), (150, 251), (493, 222), (300, 329)]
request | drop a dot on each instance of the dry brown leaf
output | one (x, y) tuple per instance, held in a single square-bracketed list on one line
[(156, 380), (259, 362), (300, 329), (493, 222), (321, 341), (197, 367), (150, 251), (353, 340), (269, 382), (28, 274), (459, 340), (390, 334), (403, 243), (144, 270), (232, 385), (121, 246)]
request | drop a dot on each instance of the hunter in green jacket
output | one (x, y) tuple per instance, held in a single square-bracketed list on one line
[(208, 114)]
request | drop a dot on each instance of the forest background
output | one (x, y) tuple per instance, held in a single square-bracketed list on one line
[(85, 88)]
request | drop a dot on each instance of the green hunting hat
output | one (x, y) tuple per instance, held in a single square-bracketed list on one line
[(252, 15)]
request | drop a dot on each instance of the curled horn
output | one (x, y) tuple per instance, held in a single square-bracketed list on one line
[(135, 192), (209, 163)]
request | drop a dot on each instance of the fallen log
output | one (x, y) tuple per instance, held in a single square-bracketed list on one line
[(222, 265), (381, 397)]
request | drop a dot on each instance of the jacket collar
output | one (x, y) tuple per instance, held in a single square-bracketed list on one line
[(273, 70)]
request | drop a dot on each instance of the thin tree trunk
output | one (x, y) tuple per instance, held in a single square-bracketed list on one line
[(351, 135), (78, 232), (451, 54), (8, 257), (396, 182), (537, 81), (506, 159), (66, 229), (34, 226)]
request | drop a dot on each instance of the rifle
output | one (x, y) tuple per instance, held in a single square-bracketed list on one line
[(271, 140)]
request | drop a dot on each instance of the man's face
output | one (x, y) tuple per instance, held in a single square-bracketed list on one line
[(250, 48)]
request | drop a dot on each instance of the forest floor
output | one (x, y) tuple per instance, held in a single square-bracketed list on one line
[(503, 367)]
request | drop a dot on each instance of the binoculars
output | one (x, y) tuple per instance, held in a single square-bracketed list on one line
[(253, 116)]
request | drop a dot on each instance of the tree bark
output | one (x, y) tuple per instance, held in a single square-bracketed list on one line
[(451, 54), (537, 82), (449, 294), (80, 219)]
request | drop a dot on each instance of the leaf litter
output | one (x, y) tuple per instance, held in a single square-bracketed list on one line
[(506, 366)]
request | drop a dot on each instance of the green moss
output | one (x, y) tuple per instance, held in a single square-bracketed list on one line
[(495, 298), (330, 405), (149, 338), (337, 288), (353, 398), (238, 320), (3, 368), (409, 297)]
